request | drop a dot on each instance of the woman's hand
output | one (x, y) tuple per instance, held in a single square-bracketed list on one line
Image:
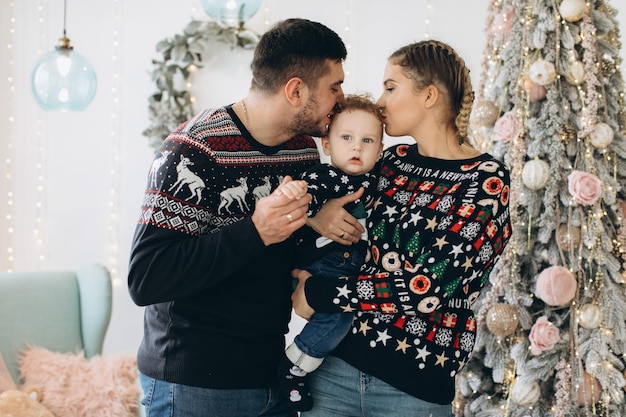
[(298, 298), (335, 223)]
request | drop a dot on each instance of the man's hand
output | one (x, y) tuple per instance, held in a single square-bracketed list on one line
[(277, 216), (335, 223)]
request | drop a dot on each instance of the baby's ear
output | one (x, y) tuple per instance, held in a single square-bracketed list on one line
[(325, 145)]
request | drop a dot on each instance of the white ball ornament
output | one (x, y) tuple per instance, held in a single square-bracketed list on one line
[(536, 174), (575, 72), (601, 136), (572, 10), (590, 316), (525, 393), (542, 72)]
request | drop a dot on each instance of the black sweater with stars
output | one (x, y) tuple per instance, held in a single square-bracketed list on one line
[(436, 229), (218, 301)]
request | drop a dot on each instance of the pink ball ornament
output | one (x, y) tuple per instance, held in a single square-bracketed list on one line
[(556, 286), (590, 391), (534, 91)]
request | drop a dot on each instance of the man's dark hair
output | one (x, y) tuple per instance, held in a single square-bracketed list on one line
[(294, 48)]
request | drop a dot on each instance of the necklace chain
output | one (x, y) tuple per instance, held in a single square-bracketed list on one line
[(245, 112)]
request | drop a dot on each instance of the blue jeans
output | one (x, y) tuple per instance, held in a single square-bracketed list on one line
[(324, 331), (340, 390), (164, 399)]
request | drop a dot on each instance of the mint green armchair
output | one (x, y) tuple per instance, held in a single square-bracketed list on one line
[(64, 311)]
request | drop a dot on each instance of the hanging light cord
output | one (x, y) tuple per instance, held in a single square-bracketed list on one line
[(64, 16), (64, 41)]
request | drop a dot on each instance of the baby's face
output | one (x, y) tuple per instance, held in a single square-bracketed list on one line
[(354, 141)]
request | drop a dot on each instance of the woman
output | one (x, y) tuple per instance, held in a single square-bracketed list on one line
[(439, 224)]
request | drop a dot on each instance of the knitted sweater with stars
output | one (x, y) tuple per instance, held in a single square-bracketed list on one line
[(325, 182), (436, 229), (218, 301)]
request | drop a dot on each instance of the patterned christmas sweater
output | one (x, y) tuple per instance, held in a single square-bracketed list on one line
[(325, 182), (218, 301), (436, 229)]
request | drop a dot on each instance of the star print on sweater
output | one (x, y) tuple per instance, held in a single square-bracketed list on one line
[(437, 227)]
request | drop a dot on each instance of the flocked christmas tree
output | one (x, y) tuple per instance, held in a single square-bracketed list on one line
[(550, 104)]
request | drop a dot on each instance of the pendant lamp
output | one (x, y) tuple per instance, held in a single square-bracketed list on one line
[(232, 13), (63, 79)]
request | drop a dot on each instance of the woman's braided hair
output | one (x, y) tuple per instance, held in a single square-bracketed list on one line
[(433, 62)]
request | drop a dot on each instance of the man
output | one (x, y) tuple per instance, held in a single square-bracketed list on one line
[(212, 252)]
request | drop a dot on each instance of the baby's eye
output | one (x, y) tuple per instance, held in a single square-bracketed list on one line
[(346, 137), (368, 140)]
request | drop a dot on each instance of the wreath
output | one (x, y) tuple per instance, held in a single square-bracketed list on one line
[(171, 104)]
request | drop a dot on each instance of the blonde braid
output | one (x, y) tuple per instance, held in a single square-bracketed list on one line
[(463, 118), (462, 83)]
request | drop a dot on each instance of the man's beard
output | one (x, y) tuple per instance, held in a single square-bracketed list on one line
[(306, 121)]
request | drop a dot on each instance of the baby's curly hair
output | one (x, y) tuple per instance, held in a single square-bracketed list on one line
[(360, 101)]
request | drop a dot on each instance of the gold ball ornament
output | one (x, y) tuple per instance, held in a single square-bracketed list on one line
[(568, 236), (601, 136), (484, 113), (542, 72), (572, 10), (575, 72), (525, 393), (590, 316), (502, 319), (535, 174)]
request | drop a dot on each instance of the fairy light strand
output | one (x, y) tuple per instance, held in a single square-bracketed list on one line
[(427, 17), (8, 161), (40, 168), (114, 201), (347, 35)]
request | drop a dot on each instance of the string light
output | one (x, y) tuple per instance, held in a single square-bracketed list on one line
[(427, 20), (114, 203), (40, 168), (346, 37), (8, 161)]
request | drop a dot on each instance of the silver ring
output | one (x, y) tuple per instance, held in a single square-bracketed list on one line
[(342, 233), (289, 218)]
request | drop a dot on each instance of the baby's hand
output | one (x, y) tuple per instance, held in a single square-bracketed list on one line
[(295, 190)]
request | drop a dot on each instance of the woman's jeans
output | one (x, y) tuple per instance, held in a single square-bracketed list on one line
[(340, 390), (164, 399)]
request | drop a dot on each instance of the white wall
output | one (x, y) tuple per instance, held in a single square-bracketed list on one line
[(91, 166)]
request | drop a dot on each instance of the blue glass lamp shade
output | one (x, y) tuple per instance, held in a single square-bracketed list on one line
[(231, 12), (63, 80)]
